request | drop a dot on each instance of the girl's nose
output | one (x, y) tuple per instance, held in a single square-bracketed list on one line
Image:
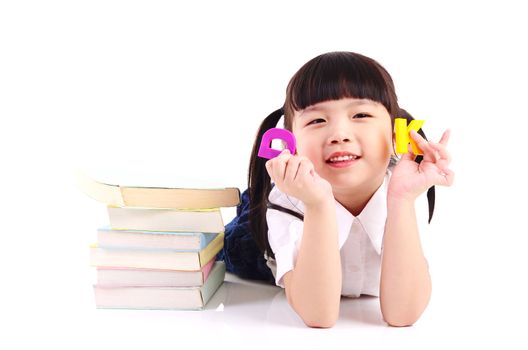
[(340, 132), (340, 139), (339, 135)]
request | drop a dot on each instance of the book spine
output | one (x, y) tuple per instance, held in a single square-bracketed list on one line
[(212, 249), (215, 280)]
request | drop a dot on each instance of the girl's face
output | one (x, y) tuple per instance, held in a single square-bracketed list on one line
[(349, 141)]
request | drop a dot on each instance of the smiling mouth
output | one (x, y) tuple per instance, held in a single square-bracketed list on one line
[(341, 159)]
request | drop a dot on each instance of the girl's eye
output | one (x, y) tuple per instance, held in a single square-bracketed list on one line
[(316, 121), (361, 115)]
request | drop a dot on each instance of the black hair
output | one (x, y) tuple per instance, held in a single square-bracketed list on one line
[(330, 76)]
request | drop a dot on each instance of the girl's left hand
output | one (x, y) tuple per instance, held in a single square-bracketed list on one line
[(410, 179)]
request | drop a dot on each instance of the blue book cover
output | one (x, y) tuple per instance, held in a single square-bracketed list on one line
[(139, 239)]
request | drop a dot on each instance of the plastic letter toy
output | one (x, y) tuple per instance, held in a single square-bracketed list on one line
[(265, 150), (402, 130)]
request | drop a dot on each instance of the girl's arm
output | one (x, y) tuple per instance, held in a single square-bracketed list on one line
[(313, 287), (405, 287)]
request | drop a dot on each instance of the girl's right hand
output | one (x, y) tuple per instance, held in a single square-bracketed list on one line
[(295, 176)]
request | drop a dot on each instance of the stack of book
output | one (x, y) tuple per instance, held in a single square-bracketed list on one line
[(159, 249)]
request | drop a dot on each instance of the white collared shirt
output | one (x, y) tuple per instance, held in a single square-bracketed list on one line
[(360, 240)]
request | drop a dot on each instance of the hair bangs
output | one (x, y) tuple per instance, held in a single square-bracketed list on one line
[(340, 75)]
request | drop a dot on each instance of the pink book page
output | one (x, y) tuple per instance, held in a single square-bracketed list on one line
[(207, 268)]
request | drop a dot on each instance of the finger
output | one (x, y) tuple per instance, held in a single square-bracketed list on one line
[(445, 137), (306, 168), (445, 178), (409, 155), (429, 154), (284, 155), (292, 165), (269, 168), (442, 151), (279, 165)]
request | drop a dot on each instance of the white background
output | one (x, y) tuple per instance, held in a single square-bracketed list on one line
[(164, 87)]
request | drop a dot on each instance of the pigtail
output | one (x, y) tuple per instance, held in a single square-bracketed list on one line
[(431, 191), (259, 184)]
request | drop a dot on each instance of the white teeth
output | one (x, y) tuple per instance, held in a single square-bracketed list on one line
[(342, 158)]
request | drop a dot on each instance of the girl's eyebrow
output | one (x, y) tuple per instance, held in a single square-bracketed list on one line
[(351, 104)]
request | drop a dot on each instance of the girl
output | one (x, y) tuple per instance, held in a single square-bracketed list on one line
[(339, 219)]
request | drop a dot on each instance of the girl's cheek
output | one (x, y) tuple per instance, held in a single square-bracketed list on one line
[(304, 149), (385, 145), (309, 152)]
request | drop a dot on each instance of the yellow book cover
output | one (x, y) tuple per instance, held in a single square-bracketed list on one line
[(163, 259), (186, 197)]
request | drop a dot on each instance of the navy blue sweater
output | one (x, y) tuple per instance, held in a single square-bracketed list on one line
[(240, 253)]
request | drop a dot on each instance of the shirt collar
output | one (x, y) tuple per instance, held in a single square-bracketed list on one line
[(372, 218)]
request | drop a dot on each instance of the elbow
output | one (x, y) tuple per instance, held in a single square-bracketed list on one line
[(320, 321), (399, 322), (402, 320), (319, 318), (404, 312), (320, 307)]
